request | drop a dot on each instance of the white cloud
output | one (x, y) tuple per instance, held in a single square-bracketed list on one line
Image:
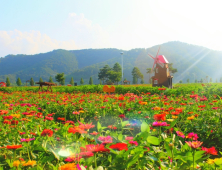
[(32, 42), (86, 33)]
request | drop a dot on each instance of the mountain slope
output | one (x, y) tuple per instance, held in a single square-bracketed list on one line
[(192, 62)]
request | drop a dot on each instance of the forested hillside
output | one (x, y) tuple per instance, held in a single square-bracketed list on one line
[(192, 62)]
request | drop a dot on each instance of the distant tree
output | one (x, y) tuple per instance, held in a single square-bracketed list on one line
[(195, 80), (81, 81), (142, 81), (136, 73), (50, 79), (149, 71), (103, 73), (221, 79), (180, 81), (171, 69), (188, 80), (117, 68), (211, 79), (19, 82), (201, 80), (40, 80), (114, 76), (32, 82), (135, 80), (90, 81), (100, 82), (216, 80), (71, 81), (63, 82), (60, 77), (8, 82)]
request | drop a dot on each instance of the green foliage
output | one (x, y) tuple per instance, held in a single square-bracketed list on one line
[(18, 82), (100, 82), (195, 80), (142, 81), (188, 80), (50, 79), (136, 74), (32, 82), (117, 68), (180, 81), (8, 82), (149, 71), (40, 80), (171, 69), (71, 81), (81, 81), (135, 80), (60, 77), (211, 80), (103, 73), (90, 81), (63, 82)]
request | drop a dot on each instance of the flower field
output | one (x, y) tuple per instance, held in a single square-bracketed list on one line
[(137, 128)]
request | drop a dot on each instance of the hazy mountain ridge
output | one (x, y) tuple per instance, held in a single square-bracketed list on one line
[(191, 62)]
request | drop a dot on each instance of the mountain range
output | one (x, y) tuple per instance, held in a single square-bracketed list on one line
[(192, 62)]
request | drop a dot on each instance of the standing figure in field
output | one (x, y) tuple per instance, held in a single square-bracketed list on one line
[(162, 75)]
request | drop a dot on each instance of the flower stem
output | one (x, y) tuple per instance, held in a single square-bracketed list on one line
[(95, 160), (193, 157)]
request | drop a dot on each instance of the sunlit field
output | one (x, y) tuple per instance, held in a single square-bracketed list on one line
[(137, 127)]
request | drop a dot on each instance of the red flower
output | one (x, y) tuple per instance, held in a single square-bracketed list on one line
[(159, 117), (211, 150), (122, 116), (14, 122), (47, 132), (7, 122), (119, 146), (13, 146)]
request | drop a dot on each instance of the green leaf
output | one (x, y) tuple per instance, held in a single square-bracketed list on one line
[(218, 162), (98, 126), (124, 123), (153, 140), (145, 127)]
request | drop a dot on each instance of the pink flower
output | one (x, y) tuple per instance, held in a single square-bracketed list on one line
[(105, 140), (129, 138), (160, 124), (192, 136), (133, 143), (180, 134), (27, 140), (75, 113)]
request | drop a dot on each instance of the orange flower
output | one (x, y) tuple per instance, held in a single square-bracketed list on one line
[(194, 144), (159, 117), (70, 166), (13, 146)]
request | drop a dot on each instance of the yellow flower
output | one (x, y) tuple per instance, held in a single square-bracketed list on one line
[(170, 120), (191, 118), (70, 166), (7, 105), (174, 117), (154, 130), (81, 111), (16, 115), (29, 163), (16, 163)]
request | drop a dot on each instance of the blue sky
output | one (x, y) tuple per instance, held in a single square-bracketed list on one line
[(30, 27)]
